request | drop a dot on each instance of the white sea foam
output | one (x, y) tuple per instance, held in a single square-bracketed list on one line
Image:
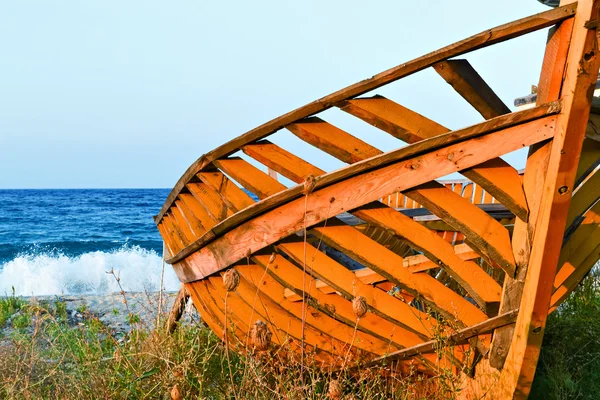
[(50, 274)]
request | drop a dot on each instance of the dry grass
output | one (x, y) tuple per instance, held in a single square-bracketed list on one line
[(47, 356)]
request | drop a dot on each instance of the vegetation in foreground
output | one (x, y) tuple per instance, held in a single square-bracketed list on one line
[(45, 355)]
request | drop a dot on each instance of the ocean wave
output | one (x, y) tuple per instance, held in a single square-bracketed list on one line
[(53, 273)]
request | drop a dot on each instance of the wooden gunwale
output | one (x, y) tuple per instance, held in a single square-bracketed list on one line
[(414, 150), (484, 39)]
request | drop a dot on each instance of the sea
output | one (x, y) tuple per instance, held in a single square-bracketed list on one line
[(66, 241)]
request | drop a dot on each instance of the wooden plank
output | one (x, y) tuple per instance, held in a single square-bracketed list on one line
[(459, 337), (586, 195), (332, 140), (471, 86), (589, 159), (353, 192), (235, 198), (368, 252), (380, 303), (482, 287), (580, 75), (194, 223), (210, 200), (483, 39), (496, 176), (250, 177), (182, 224), (177, 237), (485, 234), (501, 181), (282, 161), (320, 321), (199, 211), (577, 255)]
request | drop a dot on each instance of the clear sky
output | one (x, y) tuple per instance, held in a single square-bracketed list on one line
[(103, 93)]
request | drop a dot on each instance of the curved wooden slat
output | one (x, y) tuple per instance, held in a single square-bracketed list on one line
[(586, 195), (235, 198), (483, 232), (206, 220), (461, 75), (250, 177), (496, 176), (287, 164), (332, 140), (482, 287)]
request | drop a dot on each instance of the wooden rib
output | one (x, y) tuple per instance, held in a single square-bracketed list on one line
[(482, 287), (344, 281), (586, 195), (250, 177), (194, 223), (590, 157), (393, 118), (353, 192), (210, 200), (485, 233), (416, 263), (178, 238), (483, 39), (581, 74), (502, 181), (551, 79), (235, 198), (320, 321), (459, 337), (183, 224), (577, 255), (368, 252), (471, 86), (287, 164), (261, 305), (332, 140), (497, 177), (198, 210), (171, 249)]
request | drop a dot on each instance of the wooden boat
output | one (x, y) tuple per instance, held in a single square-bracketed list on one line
[(355, 261)]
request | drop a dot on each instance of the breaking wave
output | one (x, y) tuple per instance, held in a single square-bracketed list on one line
[(53, 273)]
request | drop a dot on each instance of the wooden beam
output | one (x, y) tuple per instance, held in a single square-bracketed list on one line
[(250, 177), (471, 86), (235, 198), (496, 176), (460, 337)]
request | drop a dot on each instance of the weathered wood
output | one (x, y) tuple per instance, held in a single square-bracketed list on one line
[(580, 75), (482, 287), (333, 140), (471, 86), (485, 234), (381, 260), (250, 177), (287, 164), (483, 39), (178, 308), (533, 180), (457, 338), (235, 198), (502, 182)]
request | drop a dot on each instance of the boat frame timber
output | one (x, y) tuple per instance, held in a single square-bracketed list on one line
[(495, 253)]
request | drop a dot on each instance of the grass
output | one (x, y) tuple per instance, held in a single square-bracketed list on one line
[(46, 355)]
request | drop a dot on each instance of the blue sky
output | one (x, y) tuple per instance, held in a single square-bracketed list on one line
[(102, 93)]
